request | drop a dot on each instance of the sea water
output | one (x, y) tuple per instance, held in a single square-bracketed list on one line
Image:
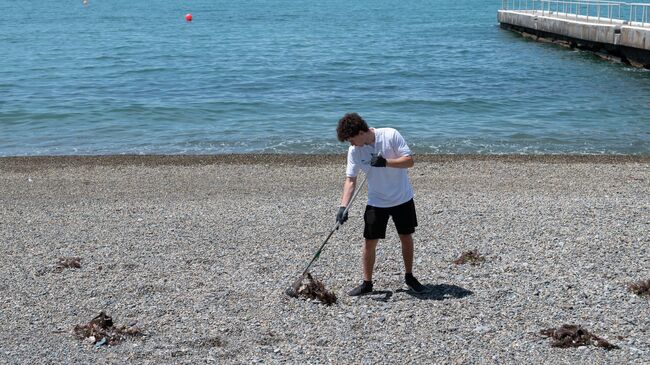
[(262, 76)]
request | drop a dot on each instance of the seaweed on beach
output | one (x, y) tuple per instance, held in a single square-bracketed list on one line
[(472, 257), (315, 289), (570, 335), (641, 288), (101, 331), (68, 263)]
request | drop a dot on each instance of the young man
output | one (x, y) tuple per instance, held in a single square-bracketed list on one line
[(384, 156)]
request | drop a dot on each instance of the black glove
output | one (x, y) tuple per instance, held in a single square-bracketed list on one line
[(340, 217), (377, 161)]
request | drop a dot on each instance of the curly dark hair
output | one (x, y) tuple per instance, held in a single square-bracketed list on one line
[(349, 126)]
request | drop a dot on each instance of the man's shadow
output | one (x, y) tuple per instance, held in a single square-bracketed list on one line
[(387, 294), (433, 292), (439, 292)]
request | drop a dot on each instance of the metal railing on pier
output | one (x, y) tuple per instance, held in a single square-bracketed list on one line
[(637, 14)]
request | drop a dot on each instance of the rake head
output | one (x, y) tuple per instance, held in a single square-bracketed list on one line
[(311, 289), (292, 291)]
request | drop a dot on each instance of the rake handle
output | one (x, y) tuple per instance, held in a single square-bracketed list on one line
[(336, 226)]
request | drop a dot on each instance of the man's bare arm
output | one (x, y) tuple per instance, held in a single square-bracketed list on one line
[(403, 162), (348, 189)]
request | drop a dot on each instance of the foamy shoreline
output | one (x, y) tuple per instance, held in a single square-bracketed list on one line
[(253, 158)]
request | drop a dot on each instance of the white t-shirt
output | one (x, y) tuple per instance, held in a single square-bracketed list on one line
[(387, 186)]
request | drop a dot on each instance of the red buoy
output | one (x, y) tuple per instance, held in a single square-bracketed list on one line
[(188, 17)]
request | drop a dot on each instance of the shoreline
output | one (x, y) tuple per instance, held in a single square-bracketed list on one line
[(19, 163)]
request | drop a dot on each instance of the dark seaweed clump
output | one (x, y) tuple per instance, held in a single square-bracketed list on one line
[(641, 288), (100, 330), (68, 263), (472, 257), (570, 335), (315, 289)]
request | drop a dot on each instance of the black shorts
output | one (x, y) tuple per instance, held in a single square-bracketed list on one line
[(376, 220)]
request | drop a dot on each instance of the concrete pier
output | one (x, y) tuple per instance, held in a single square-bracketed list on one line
[(584, 28)]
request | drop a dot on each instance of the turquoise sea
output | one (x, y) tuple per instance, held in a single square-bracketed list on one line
[(133, 77)]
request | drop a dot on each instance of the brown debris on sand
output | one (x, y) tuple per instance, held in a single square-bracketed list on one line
[(570, 335), (472, 257), (100, 330), (641, 288), (68, 263), (315, 289)]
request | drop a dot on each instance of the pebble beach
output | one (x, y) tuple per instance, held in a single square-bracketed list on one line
[(196, 251)]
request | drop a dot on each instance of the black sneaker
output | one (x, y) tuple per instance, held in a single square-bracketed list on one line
[(364, 288), (414, 284)]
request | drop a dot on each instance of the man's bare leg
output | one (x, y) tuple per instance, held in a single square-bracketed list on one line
[(407, 252), (368, 257), (368, 261)]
